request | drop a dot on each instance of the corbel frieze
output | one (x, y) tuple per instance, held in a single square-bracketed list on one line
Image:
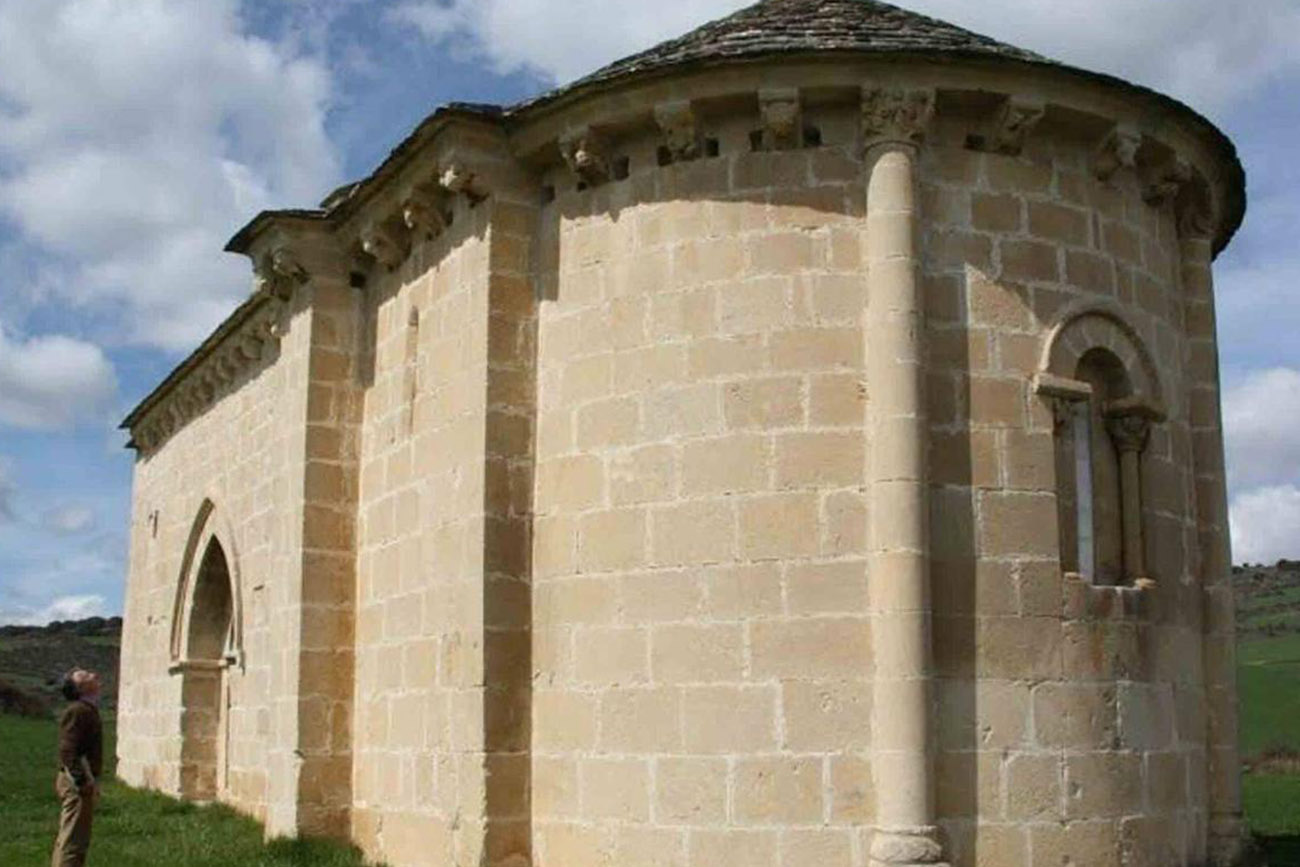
[(587, 154), (895, 115), (277, 273), (1162, 182), (423, 212), (1196, 219), (457, 177), (384, 245), (782, 115), (1195, 208), (677, 122), (213, 375), (1015, 120), (1117, 150)]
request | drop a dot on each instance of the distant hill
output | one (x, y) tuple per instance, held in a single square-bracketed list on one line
[(1268, 599), (34, 659)]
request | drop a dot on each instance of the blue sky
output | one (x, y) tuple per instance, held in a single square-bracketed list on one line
[(135, 137)]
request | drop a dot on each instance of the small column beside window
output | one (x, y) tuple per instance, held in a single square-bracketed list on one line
[(1129, 425), (1099, 447)]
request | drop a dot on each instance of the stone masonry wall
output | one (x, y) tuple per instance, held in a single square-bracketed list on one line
[(1071, 720), (245, 454), (553, 540), (701, 644), (418, 720)]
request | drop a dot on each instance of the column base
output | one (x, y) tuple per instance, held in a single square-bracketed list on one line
[(907, 847), (1230, 844)]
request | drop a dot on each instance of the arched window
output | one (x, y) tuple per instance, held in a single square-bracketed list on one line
[(1104, 396)]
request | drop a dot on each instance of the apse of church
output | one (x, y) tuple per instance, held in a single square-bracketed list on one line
[(797, 444)]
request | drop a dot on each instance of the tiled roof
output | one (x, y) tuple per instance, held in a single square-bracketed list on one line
[(803, 26)]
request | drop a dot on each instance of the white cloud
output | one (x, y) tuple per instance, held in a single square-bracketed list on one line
[(6, 493), (1206, 51), (63, 608), (1203, 51), (557, 41), (136, 137), (1261, 420), (1266, 525), (70, 520), (52, 381)]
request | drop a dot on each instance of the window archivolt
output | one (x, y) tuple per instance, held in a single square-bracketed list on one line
[(208, 592), (1105, 395)]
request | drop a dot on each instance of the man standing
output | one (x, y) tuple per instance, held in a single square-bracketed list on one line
[(81, 759)]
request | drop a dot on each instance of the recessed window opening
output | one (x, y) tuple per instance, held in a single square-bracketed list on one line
[(1101, 433)]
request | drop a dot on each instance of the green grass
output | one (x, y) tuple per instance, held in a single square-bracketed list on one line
[(1268, 683), (1289, 595), (132, 828), (1272, 803)]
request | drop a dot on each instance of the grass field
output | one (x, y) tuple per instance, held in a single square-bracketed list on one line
[(141, 829), (132, 828), (1268, 683)]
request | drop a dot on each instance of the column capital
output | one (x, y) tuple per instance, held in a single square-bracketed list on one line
[(1128, 422), (895, 115)]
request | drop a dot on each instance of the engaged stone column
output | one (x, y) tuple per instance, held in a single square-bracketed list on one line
[(896, 475), (1129, 431), (1226, 829)]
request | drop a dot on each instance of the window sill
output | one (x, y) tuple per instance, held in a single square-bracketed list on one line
[(1084, 600)]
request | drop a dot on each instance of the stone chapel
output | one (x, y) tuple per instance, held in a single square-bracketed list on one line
[(795, 445)]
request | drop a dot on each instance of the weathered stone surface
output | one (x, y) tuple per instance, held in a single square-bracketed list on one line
[(631, 479)]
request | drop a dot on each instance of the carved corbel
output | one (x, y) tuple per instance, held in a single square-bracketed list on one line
[(677, 122), (456, 177), (250, 347), (1195, 209), (1016, 119), (381, 243), (422, 213), (1195, 220), (1118, 150), (1163, 181), (145, 438), (782, 118), (587, 155), (279, 273), (894, 115)]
